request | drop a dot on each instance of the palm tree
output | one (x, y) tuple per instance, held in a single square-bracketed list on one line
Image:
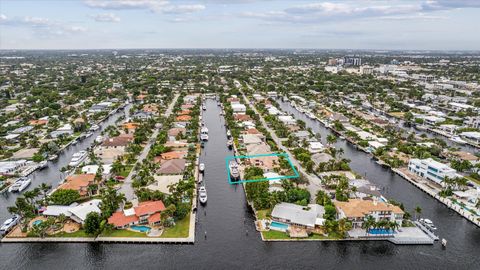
[(331, 139), (368, 223), (418, 211)]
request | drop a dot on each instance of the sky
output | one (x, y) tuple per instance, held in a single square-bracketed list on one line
[(334, 24)]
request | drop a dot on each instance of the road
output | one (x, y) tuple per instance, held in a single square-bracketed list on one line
[(315, 183), (126, 187)]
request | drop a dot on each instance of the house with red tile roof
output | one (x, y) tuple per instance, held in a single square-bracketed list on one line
[(187, 106), (39, 122), (131, 126), (173, 166), (148, 212), (242, 117), (184, 118), (79, 182)]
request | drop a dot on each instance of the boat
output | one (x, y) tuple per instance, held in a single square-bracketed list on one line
[(52, 157), (234, 172), (204, 134), (230, 144), (201, 167), (95, 127), (458, 140), (42, 164), (20, 185), (229, 134), (421, 127), (99, 139), (444, 242), (428, 224), (78, 158), (88, 134), (204, 107), (202, 144), (8, 225), (202, 192)]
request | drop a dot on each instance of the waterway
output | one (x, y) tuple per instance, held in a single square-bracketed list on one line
[(231, 242)]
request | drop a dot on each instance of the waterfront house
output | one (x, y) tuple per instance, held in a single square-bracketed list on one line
[(431, 169), (130, 127), (357, 210), (184, 118), (238, 108), (172, 166), (303, 216), (287, 120), (147, 212), (174, 132), (76, 212), (472, 136), (79, 182), (315, 147)]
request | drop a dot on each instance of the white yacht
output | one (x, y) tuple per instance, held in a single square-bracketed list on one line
[(99, 139), (78, 158), (458, 140), (42, 164), (9, 224), (202, 194), (88, 134), (229, 134), (52, 157), (204, 134), (201, 167), (428, 223), (20, 185), (234, 172), (204, 107)]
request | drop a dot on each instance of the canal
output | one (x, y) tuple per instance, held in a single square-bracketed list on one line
[(231, 241)]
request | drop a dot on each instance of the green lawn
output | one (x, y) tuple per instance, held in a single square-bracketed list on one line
[(79, 233), (180, 229), (473, 179), (262, 214), (126, 171), (12, 101), (123, 233)]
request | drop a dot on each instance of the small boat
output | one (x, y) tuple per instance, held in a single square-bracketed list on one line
[(229, 134), (99, 139), (202, 144), (88, 134), (52, 157), (9, 224), (20, 185), (204, 107), (428, 224), (202, 192), (201, 167), (78, 158), (458, 140), (42, 164), (95, 127), (234, 172), (444, 242), (230, 144), (204, 134)]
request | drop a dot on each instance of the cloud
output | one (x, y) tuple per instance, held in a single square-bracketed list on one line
[(105, 17), (338, 11), (157, 6), (42, 26)]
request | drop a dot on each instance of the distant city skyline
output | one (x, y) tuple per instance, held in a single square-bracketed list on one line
[(363, 24)]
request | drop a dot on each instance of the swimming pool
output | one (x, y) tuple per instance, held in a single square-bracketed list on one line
[(278, 226), (140, 228), (380, 231), (37, 222)]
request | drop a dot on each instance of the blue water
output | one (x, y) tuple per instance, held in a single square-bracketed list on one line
[(140, 228), (380, 231), (37, 222), (279, 225)]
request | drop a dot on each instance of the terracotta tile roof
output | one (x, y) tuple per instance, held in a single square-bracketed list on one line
[(173, 155), (176, 131), (118, 141), (153, 108), (78, 182), (173, 166), (184, 118), (360, 208), (154, 218), (242, 117), (252, 131), (38, 122), (149, 208), (130, 125), (118, 219)]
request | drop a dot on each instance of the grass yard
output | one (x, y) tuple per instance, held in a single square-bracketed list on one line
[(12, 101), (123, 233), (262, 214), (79, 233), (180, 230), (126, 171)]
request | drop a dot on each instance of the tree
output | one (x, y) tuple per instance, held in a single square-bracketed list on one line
[(92, 223), (418, 211), (368, 223), (330, 212), (45, 188), (111, 201), (331, 139), (344, 225), (64, 196)]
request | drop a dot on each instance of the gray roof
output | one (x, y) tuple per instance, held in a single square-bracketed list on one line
[(298, 214)]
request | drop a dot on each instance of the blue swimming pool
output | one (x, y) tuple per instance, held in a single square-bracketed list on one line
[(380, 231), (37, 222), (140, 228), (278, 226)]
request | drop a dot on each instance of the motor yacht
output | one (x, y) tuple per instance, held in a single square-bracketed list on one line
[(20, 185), (234, 172), (78, 158), (202, 194), (201, 167), (428, 224), (458, 140)]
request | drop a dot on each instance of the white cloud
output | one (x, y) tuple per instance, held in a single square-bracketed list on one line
[(157, 6), (106, 17), (42, 26)]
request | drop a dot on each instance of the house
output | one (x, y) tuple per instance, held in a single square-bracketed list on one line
[(77, 212), (267, 163), (130, 127), (162, 182), (93, 169), (251, 139), (79, 182), (287, 119), (183, 118), (173, 155), (315, 147), (302, 135), (357, 210), (318, 158), (147, 212), (242, 117), (174, 132), (431, 169), (172, 166), (39, 122), (471, 136), (239, 108), (303, 216), (274, 183), (142, 115), (120, 141)]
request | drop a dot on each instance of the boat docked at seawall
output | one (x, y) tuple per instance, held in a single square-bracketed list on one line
[(230, 144), (229, 134), (53, 157), (8, 225), (20, 185), (204, 107), (42, 164), (78, 158), (201, 167), (234, 171), (94, 127), (458, 140), (428, 224), (204, 134), (202, 194)]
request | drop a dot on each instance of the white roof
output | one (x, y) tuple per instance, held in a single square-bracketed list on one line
[(298, 214), (81, 211), (316, 145), (57, 210)]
